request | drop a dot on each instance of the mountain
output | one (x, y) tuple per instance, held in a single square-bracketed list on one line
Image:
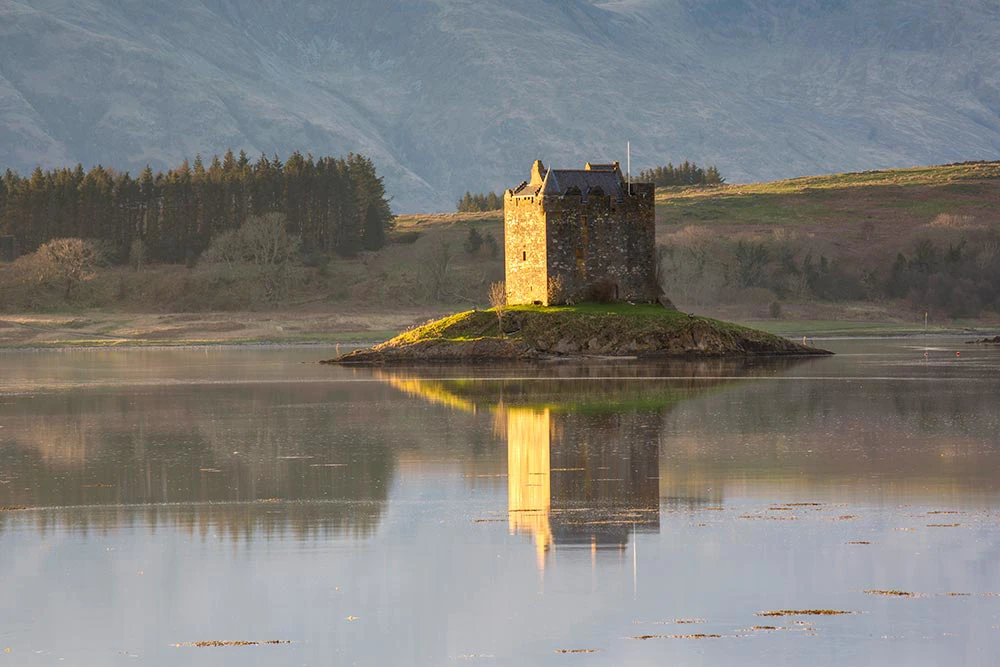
[(453, 95)]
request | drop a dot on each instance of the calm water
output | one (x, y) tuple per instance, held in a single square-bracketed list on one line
[(158, 498)]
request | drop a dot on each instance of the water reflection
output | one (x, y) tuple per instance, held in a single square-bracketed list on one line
[(239, 522), (590, 452), (529, 476), (255, 459), (581, 480)]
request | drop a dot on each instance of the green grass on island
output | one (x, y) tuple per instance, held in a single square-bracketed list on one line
[(589, 329), (478, 324)]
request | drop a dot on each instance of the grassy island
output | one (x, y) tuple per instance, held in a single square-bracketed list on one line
[(600, 330)]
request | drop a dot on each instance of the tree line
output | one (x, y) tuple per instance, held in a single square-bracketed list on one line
[(957, 278), (477, 203), (687, 173), (332, 204)]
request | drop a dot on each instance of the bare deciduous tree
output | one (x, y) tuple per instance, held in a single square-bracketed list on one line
[(498, 300), (260, 250), (267, 240), (263, 241), (68, 262)]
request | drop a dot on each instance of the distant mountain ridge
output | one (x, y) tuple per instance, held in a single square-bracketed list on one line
[(453, 95)]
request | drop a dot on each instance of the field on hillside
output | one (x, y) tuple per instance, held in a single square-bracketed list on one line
[(865, 214), (839, 238)]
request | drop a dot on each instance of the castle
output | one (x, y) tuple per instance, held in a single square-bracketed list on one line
[(580, 234)]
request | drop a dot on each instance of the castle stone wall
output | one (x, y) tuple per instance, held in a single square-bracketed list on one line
[(525, 251), (602, 240)]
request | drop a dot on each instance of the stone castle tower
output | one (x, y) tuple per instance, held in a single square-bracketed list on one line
[(572, 235)]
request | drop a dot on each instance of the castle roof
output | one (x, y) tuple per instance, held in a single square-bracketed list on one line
[(606, 179), (562, 181)]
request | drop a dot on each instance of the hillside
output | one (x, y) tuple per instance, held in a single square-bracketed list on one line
[(447, 96), (864, 215), (855, 225), (944, 220)]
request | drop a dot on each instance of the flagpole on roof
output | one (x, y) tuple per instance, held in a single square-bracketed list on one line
[(628, 165)]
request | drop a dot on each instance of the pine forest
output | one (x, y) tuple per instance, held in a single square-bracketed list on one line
[(332, 204)]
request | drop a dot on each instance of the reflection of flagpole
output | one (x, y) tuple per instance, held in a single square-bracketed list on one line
[(635, 563)]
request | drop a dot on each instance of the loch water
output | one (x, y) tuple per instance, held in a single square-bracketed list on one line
[(249, 506)]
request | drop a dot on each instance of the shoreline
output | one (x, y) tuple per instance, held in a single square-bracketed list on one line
[(99, 330)]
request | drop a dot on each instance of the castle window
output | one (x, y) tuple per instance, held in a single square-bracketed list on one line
[(524, 255)]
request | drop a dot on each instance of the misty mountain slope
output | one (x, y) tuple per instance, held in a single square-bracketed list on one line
[(450, 95)]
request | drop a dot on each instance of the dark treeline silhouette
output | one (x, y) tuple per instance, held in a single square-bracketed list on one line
[(471, 203), (687, 173), (961, 280), (333, 204)]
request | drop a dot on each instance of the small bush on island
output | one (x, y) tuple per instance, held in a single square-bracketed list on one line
[(498, 301)]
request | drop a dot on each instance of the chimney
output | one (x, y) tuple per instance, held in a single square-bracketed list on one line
[(538, 172)]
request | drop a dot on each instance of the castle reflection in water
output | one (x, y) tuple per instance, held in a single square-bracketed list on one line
[(581, 481), (583, 456)]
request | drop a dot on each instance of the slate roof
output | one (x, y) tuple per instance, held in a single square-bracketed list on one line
[(558, 182)]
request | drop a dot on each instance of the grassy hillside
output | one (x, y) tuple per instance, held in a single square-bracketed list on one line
[(838, 206), (858, 223)]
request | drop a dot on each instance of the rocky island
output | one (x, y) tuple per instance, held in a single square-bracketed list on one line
[(588, 330)]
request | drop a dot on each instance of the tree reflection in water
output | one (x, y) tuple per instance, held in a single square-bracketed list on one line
[(276, 460)]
